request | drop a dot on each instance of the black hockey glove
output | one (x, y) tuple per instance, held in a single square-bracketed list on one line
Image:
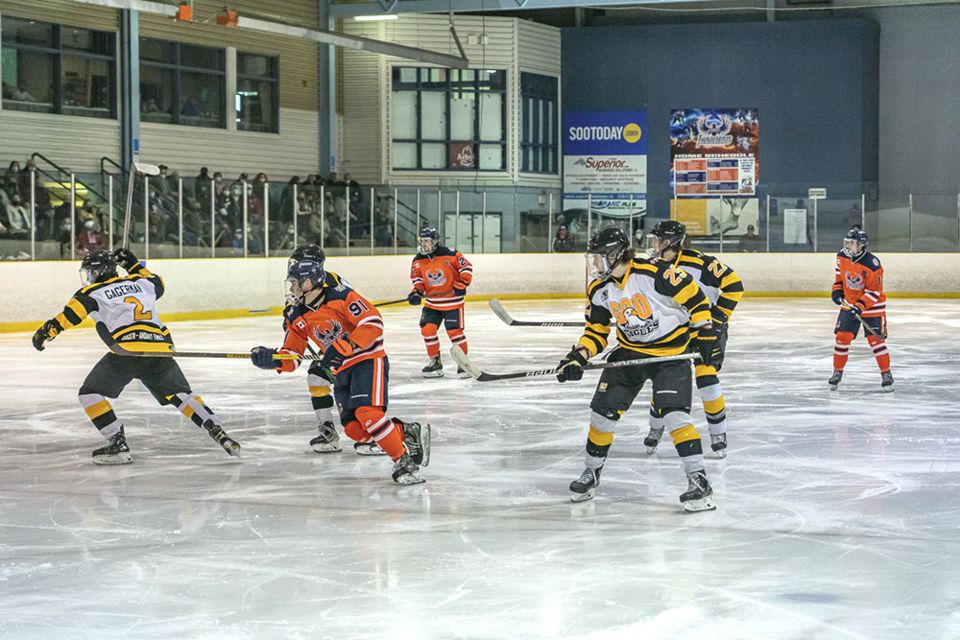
[(335, 354), (262, 358), (48, 331), (126, 259), (707, 344), (837, 297), (414, 297), (459, 292), (571, 367)]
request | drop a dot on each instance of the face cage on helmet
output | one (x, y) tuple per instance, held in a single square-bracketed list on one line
[(599, 265), (657, 252), (853, 248), (426, 246), (89, 275)]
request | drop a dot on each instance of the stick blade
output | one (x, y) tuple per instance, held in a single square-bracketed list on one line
[(147, 169), (500, 312), (463, 361)]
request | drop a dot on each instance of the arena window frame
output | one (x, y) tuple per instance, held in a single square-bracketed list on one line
[(437, 119), (269, 121), (79, 66), (184, 68), (539, 120)]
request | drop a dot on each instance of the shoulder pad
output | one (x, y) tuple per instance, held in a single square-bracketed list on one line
[(416, 257), (293, 312), (841, 254), (339, 292), (595, 286), (332, 279), (446, 251), (871, 261)]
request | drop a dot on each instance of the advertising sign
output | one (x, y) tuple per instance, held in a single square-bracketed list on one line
[(714, 153), (605, 162)]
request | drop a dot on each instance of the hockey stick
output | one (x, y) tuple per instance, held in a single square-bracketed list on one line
[(120, 351), (866, 327), (501, 313), (387, 304), (461, 359), (135, 168)]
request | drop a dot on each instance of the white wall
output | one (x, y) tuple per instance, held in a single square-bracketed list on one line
[(32, 292)]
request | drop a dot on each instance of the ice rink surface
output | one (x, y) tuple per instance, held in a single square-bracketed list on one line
[(837, 515)]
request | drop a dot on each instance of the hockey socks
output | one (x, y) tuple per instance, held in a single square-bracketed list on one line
[(841, 350), (321, 396), (193, 407), (100, 412), (880, 353)]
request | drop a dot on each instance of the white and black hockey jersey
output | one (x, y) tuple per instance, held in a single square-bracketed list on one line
[(652, 306), (124, 310)]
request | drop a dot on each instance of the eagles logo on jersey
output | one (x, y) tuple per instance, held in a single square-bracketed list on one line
[(326, 337)]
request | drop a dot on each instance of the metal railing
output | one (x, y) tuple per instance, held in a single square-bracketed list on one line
[(196, 218)]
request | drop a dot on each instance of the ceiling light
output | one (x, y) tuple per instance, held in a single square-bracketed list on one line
[(372, 18)]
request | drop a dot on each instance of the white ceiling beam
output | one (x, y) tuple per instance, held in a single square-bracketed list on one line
[(374, 7)]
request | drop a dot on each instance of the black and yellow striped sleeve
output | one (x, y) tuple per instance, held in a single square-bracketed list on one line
[(681, 286), (596, 330), (142, 272), (78, 308), (731, 290)]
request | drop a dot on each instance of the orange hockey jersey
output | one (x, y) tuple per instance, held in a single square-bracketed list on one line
[(861, 281), (344, 315), (440, 277)]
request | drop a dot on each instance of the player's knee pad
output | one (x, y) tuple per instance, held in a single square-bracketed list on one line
[(873, 341), (429, 330), (606, 421), (355, 432), (371, 418), (674, 419), (844, 337), (705, 375)]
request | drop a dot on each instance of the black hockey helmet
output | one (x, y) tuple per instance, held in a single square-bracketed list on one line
[(303, 277), (307, 252), (97, 266), (605, 251), (855, 243), (670, 234), (428, 241)]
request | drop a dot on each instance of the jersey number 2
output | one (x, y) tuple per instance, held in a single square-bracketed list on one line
[(138, 313)]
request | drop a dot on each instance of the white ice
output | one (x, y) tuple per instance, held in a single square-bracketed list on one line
[(837, 513)]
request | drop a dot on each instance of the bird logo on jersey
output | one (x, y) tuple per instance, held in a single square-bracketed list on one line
[(435, 276), (854, 281), (328, 336)]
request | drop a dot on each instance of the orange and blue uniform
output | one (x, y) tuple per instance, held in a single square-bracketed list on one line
[(860, 281), (442, 278), (347, 322)]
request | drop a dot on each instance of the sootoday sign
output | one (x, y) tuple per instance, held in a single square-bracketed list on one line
[(605, 161)]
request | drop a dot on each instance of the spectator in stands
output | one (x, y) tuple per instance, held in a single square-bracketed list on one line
[(161, 183), (563, 242), (90, 238), (750, 242), (220, 192), (11, 179), (287, 203), (17, 221), (201, 187)]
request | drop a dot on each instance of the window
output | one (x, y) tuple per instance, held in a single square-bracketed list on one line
[(258, 95), (448, 119), (538, 147), (52, 68), (182, 84)]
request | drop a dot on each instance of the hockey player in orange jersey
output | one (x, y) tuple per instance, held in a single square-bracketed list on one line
[(349, 331), (858, 288), (441, 275)]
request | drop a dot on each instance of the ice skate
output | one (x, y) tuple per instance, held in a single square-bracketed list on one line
[(886, 382), (368, 449), (416, 437), (584, 487), (462, 373), (115, 452), (405, 471), (216, 432), (652, 441), (834, 381), (328, 441), (719, 445), (699, 493), (434, 368)]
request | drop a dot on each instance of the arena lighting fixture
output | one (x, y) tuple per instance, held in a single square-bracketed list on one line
[(375, 18)]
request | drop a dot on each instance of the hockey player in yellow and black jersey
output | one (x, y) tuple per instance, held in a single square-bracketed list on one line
[(723, 288), (319, 380), (124, 309), (656, 309)]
